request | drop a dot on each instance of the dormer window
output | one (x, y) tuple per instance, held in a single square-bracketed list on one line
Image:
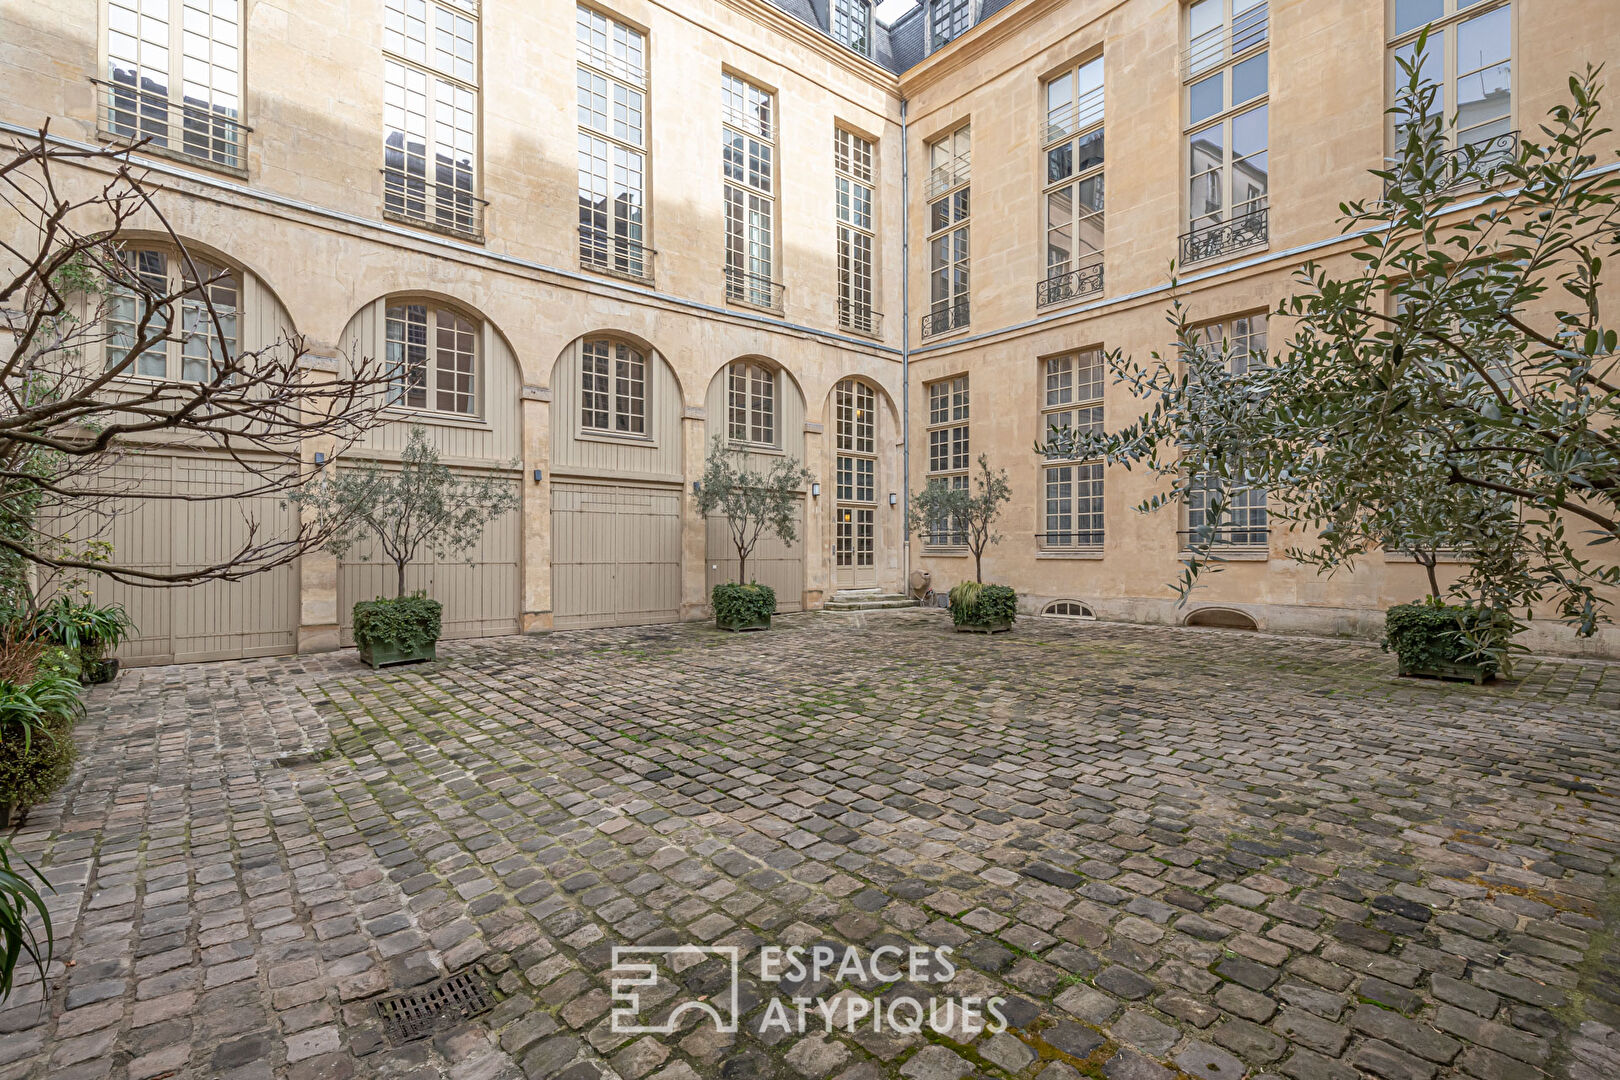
[(852, 25), (950, 19)]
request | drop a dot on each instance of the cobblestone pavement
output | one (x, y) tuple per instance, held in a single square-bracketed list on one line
[(1177, 853)]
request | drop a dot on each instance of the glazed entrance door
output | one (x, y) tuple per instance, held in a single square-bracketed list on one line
[(855, 532)]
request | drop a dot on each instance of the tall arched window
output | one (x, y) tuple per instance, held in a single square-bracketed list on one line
[(856, 514), (613, 388), (185, 352), (751, 404), (433, 358)]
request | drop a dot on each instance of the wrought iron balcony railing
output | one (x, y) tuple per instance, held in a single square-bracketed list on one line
[(859, 317), (600, 249), (1245, 536), (1468, 164), (756, 289), (191, 128), (945, 317), (1072, 540), (416, 200), (1225, 237), (1070, 285)]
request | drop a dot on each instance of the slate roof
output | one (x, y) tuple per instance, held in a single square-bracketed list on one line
[(897, 47)]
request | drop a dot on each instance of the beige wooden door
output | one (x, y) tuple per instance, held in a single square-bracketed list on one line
[(257, 616), (616, 555), (773, 563), (855, 509), (482, 592)]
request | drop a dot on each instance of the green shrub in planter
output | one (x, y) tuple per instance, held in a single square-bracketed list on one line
[(397, 631), (1428, 638), (983, 607), (91, 630), (36, 740), (743, 607)]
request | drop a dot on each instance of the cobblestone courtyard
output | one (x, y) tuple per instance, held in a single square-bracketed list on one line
[(1176, 853)]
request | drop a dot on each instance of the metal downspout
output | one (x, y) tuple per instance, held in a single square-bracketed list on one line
[(905, 353)]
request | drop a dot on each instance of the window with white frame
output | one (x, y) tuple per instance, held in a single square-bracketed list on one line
[(203, 340), (852, 24), (613, 388), (751, 403), (852, 177), (856, 443), (1242, 342), (1072, 399), (1469, 58), (949, 19), (1226, 71), (174, 77), (748, 132), (612, 100), (430, 113), (1073, 191), (948, 452), (432, 358), (950, 204)]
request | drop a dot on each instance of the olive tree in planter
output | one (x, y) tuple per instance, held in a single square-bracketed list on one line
[(756, 503), (967, 517), (423, 507)]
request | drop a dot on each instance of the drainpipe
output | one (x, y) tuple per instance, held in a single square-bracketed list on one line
[(905, 353)]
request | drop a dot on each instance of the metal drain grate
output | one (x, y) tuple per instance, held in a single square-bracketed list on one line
[(422, 1012)]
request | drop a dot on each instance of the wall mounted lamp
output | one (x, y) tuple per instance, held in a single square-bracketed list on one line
[(539, 475), (697, 487), (815, 490), (894, 500), (320, 458)]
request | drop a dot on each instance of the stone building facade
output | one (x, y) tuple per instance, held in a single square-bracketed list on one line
[(601, 234)]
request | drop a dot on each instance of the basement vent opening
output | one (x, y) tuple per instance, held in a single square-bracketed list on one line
[(1224, 618), (446, 1003)]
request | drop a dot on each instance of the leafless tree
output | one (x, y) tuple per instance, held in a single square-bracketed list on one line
[(72, 404)]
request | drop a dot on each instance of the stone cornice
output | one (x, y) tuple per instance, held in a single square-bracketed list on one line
[(779, 21)]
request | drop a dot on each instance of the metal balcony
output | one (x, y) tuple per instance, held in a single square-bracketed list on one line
[(1072, 285), (415, 200), (191, 129), (757, 290), (859, 318), (1226, 237), (601, 250), (945, 317), (1228, 536), (1462, 167)]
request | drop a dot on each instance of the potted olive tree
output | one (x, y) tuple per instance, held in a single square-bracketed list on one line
[(423, 507), (966, 517), (755, 503)]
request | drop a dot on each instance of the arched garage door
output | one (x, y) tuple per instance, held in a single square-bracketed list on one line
[(257, 616), (616, 554), (481, 592)]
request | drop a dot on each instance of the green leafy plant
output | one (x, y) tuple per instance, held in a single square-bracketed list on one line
[(755, 502), (405, 623), (422, 506), (20, 904), (89, 629), (963, 517), (30, 710), (975, 604), (1432, 635), (742, 605)]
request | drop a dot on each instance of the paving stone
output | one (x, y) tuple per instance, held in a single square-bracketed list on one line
[(1209, 1062)]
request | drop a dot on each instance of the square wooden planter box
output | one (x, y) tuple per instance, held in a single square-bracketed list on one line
[(378, 654), (984, 628), (740, 627), (1473, 673)]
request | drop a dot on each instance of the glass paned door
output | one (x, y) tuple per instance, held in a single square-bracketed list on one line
[(855, 509)]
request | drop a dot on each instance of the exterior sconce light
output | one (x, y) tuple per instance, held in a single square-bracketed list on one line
[(320, 458), (539, 475), (697, 487), (815, 490), (894, 500)]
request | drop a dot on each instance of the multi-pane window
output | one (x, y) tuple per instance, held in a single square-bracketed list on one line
[(1226, 71), (612, 85), (751, 403), (430, 113), (1469, 57), (432, 358), (948, 451), (852, 24), (949, 19), (949, 207), (748, 131), (852, 177), (174, 73), (856, 442), (613, 388), (1073, 137), (203, 340), (1071, 398), (1242, 342)]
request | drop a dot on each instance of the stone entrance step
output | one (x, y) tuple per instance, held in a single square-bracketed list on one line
[(867, 601)]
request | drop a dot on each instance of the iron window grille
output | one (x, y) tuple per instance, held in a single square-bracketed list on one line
[(1227, 237), (945, 317), (1078, 283)]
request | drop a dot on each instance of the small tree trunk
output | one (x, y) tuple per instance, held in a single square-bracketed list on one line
[(1434, 582), (978, 565), (400, 566), (742, 566)]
